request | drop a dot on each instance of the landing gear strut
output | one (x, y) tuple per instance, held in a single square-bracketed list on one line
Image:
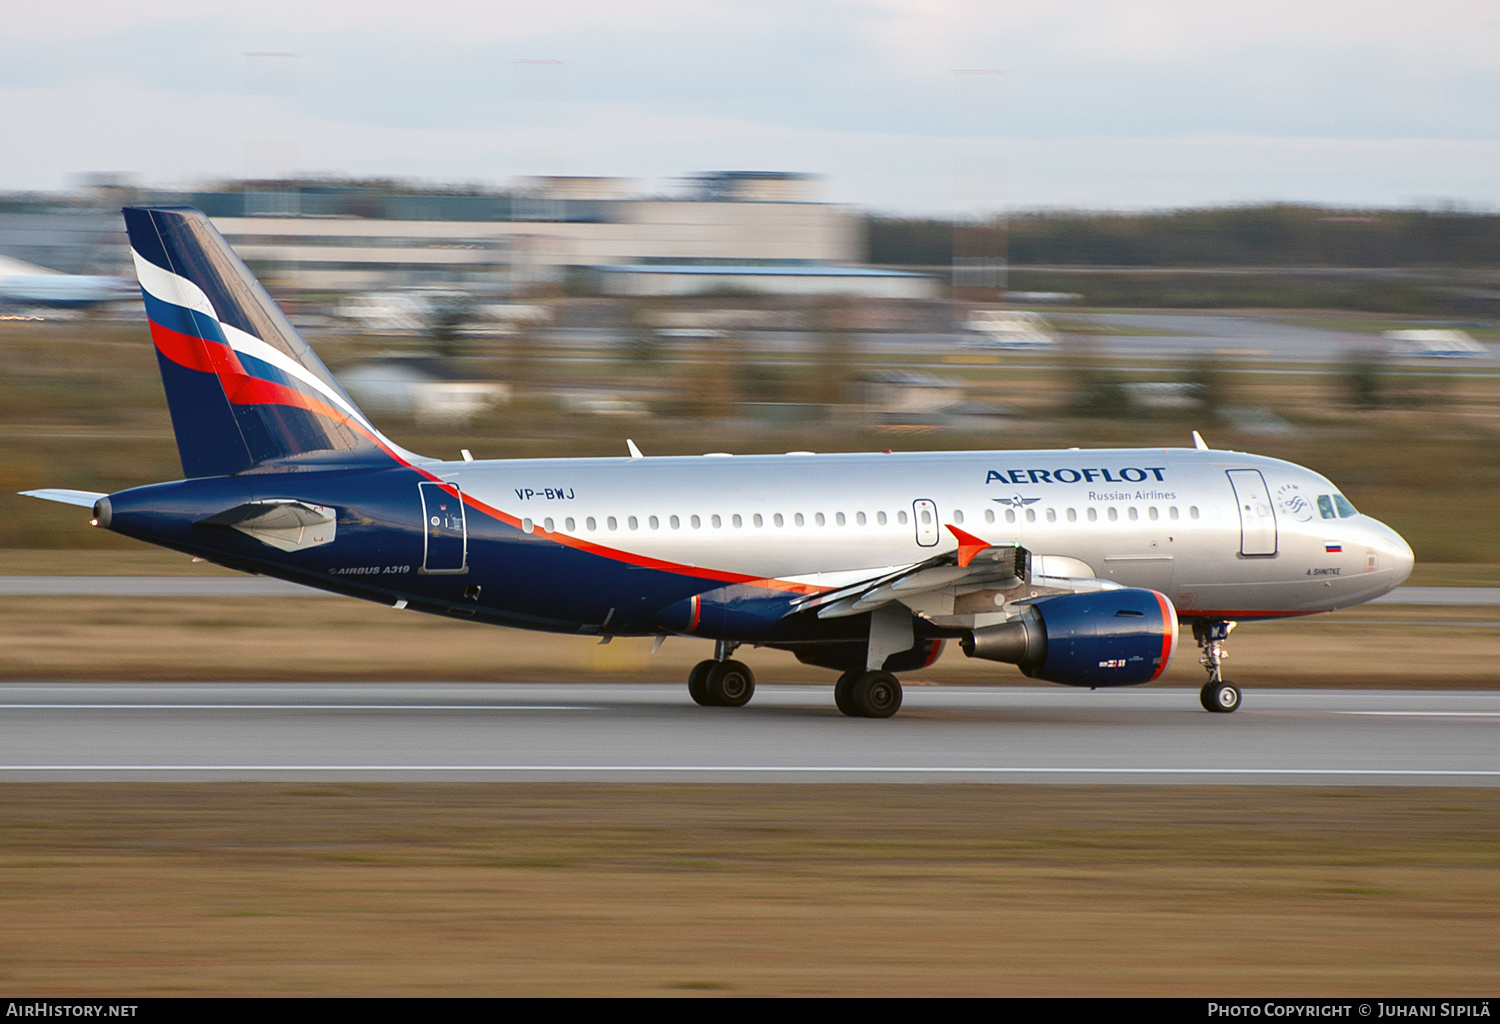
[(721, 682), (1218, 694)]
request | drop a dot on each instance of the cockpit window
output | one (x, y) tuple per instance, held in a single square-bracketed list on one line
[(1325, 507), (1345, 509)]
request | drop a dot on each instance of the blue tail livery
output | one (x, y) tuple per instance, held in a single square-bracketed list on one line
[(243, 388)]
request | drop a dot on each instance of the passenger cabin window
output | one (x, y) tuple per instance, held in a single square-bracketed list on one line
[(1031, 515), (1072, 515), (989, 515), (778, 520), (1192, 511), (738, 522), (591, 523), (1172, 512), (1152, 514), (1052, 515), (839, 518), (1134, 514), (1093, 515), (797, 518), (676, 523), (820, 520), (569, 524), (880, 518), (717, 522), (901, 518), (547, 524), (1010, 515), (958, 517), (614, 524), (655, 523), (697, 523), (1114, 514)]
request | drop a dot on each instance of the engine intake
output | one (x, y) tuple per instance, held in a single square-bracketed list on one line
[(1112, 638)]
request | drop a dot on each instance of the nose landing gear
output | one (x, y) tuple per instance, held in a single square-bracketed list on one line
[(1218, 694)]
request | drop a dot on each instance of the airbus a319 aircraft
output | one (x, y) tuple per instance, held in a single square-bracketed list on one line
[(1078, 566)]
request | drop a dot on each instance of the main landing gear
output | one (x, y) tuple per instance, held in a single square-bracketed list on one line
[(874, 694), (1218, 694), (721, 682)]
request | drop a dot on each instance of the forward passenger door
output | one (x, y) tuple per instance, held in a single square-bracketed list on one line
[(1257, 516)]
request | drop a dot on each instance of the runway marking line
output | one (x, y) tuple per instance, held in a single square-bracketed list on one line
[(771, 769), (304, 707), (1425, 714)]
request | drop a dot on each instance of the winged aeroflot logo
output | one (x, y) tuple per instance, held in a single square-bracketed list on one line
[(1017, 501)]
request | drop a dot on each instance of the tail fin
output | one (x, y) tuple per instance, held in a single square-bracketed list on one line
[(243, 387)]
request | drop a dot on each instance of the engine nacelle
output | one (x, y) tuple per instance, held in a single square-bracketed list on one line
[(1112, 638)]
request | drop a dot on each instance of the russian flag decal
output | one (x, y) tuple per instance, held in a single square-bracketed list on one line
[(1333, 547)]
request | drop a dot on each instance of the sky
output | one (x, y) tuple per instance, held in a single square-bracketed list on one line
[(903, 106)]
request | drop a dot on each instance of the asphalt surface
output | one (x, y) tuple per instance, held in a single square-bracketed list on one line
[(639, 733), (262, 586), (1155, 334)]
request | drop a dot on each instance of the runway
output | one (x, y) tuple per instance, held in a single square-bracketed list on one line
[(638, 733)]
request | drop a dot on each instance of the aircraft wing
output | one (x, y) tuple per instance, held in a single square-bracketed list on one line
[(976, 565), (84, 499)]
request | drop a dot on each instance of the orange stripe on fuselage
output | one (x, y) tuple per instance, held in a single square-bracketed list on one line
[(243, 389)]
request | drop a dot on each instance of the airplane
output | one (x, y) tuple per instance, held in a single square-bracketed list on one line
[(1079, 566), (28, 284)]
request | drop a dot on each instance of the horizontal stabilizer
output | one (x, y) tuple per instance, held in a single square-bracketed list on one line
[(283, 524), (83, 499)]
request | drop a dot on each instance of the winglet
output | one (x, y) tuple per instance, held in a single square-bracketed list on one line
[(635, 453), (968, 545), (1199, 443)]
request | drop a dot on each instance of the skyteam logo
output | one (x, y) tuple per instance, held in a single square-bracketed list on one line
[(1128, 475), (1292, 504)]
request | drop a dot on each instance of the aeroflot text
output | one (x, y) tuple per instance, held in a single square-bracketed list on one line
[(1128, 475)]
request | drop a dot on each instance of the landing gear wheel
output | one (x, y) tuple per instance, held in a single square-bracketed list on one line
[(698, 683), (843, 693), (730, 684), (1220, 696), (876, 695)]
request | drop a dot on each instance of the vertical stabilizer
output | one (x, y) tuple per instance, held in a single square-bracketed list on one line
[(243, 387)]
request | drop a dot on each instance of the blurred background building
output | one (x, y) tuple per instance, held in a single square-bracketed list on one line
[(317, 237)]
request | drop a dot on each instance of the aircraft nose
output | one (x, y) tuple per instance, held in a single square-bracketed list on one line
[(1393, 551)]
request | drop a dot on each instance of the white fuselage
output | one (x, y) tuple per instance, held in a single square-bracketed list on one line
[(1170, 520)]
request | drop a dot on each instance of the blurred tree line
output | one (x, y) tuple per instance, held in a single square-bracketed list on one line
[(1240, 236)]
